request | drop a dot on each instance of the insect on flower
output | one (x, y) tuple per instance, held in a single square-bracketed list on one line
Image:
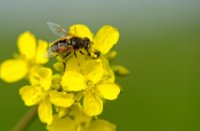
[(68, 43)]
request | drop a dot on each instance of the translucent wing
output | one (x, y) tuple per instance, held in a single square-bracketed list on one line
[(56, 29)]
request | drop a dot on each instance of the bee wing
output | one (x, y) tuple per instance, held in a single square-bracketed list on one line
[(56, 29)]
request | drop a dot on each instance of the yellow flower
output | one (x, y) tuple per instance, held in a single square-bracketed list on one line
[(101, 125), (30, 55), (40, 93), (77, 120), (120, 70), (106, 37), (96, 79), (92, 76)]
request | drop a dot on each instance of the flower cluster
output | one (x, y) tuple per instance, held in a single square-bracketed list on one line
[(30, 57), (73, 97)]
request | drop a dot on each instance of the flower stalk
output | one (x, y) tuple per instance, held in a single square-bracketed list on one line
[(26, 120)]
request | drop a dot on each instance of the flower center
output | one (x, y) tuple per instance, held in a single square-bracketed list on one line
[(90, 84)]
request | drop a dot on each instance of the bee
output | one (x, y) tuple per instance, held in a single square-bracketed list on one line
[(68, 43)]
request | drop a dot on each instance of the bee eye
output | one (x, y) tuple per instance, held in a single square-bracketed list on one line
[(86, 40)]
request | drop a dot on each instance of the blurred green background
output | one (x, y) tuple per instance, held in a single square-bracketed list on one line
[(159, 43)]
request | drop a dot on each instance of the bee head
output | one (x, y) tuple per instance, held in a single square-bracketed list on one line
[(86, 42)]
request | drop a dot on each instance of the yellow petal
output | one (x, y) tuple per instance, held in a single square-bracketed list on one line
[(59, 66), (27, 45), (108, 90), (45, 111), (56, 79), (81, 30), (101, 125), (13, 70), (74, 63), (78, 113), (108, 75), (61, 99), (41, 76), (92, 104), (120, 70), (34, 76), (111, 55), (31, 95), (40, 52), (93, 70), (64, 124), (106, 37), (108, 72), (45, 77), (73, 81), (62, 111)]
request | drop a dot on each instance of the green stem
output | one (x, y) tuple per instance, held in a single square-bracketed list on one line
[(26, 120)]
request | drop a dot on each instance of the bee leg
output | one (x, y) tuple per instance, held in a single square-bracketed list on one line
[(75, 54), (66, 55), (64, 63), (76, 58), (88, 53), (97, 53), (81, 52), (93, 55), (83, 55)]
